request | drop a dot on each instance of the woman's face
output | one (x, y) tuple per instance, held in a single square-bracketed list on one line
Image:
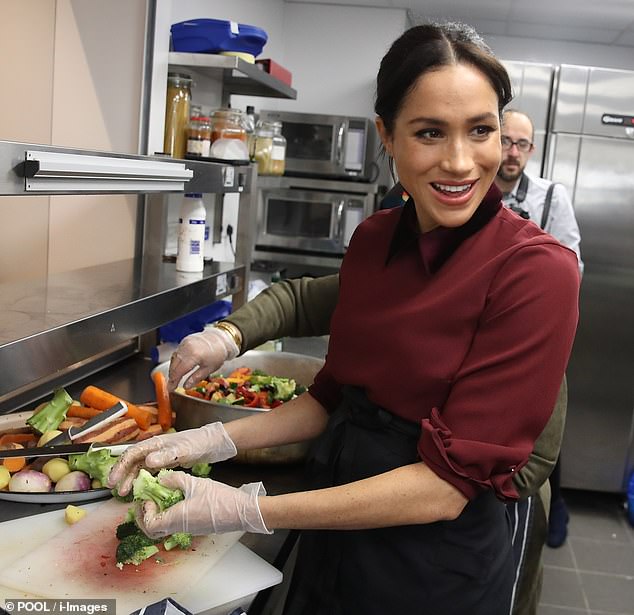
[(446, 144)]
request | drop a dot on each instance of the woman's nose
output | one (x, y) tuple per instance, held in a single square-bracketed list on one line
[(457, 158)]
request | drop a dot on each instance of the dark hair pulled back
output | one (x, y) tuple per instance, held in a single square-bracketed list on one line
[(427, 47)]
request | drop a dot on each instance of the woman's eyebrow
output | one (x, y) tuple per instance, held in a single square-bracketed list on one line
[(435, 121)]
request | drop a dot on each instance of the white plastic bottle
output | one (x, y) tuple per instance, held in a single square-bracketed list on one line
[(191, 234)]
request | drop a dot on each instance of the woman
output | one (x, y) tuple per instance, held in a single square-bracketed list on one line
[(437, 381)]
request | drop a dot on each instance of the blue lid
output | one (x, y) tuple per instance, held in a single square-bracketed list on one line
[(217, 35), (194, 195)]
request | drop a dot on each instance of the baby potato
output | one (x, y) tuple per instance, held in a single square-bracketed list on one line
[(56, 468), (5, 477)]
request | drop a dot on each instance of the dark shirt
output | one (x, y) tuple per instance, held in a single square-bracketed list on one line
[(467, 331)]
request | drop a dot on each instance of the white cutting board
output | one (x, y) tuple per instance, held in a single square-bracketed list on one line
[(44, 557)]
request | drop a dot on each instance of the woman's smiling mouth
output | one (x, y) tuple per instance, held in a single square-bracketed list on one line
[(453, 193)]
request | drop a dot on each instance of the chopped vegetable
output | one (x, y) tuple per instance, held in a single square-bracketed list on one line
[(134, 549), (182, 540), (17, 438), (82, 412), (102, 400), (201, 469), (73, 481), (96, 463), (248, 388), (122, 498), (29, 481), (72, 514), (162, 400), (47, 436), (52, 414), (148, 487), (13, 464)]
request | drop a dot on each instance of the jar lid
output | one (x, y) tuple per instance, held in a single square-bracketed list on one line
[(176, 77)]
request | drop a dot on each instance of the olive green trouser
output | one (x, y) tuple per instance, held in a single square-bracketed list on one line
[(530, 581)]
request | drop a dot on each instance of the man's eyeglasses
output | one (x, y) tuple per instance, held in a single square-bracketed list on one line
[(524, 145)]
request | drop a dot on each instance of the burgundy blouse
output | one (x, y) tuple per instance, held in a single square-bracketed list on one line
[(467, 331)]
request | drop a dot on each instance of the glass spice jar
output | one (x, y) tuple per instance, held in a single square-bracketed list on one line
[(177, 114), (199, 136), (270, 148), (228, 124)]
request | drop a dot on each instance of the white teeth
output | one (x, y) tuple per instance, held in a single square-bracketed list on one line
[(446, 188)]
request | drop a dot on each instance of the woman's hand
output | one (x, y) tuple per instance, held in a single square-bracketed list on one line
[(206, 351), (209, 444), (209, 507)]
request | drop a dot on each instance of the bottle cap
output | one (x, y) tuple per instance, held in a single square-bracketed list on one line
[(194, 195)]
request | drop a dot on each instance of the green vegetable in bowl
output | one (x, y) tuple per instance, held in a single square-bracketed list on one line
[(96, 463)]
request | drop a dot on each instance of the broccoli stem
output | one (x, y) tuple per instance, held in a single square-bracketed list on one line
[(51, 415)]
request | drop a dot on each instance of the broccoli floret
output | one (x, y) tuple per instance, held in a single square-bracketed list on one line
[(135, 548), (201, 469), (182, 540), (51, 415), (127, 528), (147, 487), (121, 498), (96, 463)]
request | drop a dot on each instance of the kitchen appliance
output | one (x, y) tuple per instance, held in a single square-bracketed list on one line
[(309, 217), (330, 146), (590, 149)]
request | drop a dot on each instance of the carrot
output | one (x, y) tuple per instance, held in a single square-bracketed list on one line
[(9, 438), (82, 412), (13, 464), (162, 400), (102, 400)]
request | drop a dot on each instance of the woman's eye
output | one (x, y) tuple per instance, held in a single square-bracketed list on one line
[(428, 133), (483, 131)]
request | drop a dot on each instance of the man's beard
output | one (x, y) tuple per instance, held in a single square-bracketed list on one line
[(508, 177)]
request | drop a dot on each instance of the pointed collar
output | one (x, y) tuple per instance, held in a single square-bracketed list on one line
[(439, 244)]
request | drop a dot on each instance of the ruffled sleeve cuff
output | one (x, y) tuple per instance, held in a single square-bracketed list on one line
[(469, 465)]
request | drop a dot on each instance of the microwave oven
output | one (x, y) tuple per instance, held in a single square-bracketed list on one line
[(332, 146), (302, 216)]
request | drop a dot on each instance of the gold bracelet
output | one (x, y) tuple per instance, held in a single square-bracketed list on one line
[(232, 330)]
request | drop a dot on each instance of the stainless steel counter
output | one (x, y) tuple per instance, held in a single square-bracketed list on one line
[(52, 324)]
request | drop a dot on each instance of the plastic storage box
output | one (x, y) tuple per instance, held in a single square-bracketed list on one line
[(217, 36)]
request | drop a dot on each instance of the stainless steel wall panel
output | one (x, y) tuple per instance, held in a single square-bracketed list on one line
[(571, 83), (612, 92)]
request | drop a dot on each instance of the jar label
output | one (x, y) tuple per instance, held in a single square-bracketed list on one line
[(198, 147), (278, 152)]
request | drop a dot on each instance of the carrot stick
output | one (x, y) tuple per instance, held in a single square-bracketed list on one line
[(102, 400), (82, 412), (162, 400)]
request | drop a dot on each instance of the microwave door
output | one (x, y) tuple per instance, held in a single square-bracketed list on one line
[(315, 148), (302, 220)]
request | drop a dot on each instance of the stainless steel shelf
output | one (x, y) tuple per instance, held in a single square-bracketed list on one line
[(237, 76), (53, 324)]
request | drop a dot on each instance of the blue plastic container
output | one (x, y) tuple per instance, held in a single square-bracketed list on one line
[(217, 35)]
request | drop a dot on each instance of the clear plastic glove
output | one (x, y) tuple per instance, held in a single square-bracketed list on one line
[(206, 351), (209, 507), (210, 444)]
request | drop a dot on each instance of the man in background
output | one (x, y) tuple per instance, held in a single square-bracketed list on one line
[(548, 205)]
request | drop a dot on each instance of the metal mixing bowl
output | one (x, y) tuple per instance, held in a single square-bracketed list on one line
[(192, 412)]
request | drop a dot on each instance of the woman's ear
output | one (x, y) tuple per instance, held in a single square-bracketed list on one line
[(384, 136)]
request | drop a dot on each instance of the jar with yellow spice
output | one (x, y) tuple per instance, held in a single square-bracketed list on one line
[(177, 114), (270, 148)]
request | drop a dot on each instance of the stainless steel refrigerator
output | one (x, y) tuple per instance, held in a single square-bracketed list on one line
[(590, 149)]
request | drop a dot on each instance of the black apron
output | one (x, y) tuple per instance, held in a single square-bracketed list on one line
[(461, 567)]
